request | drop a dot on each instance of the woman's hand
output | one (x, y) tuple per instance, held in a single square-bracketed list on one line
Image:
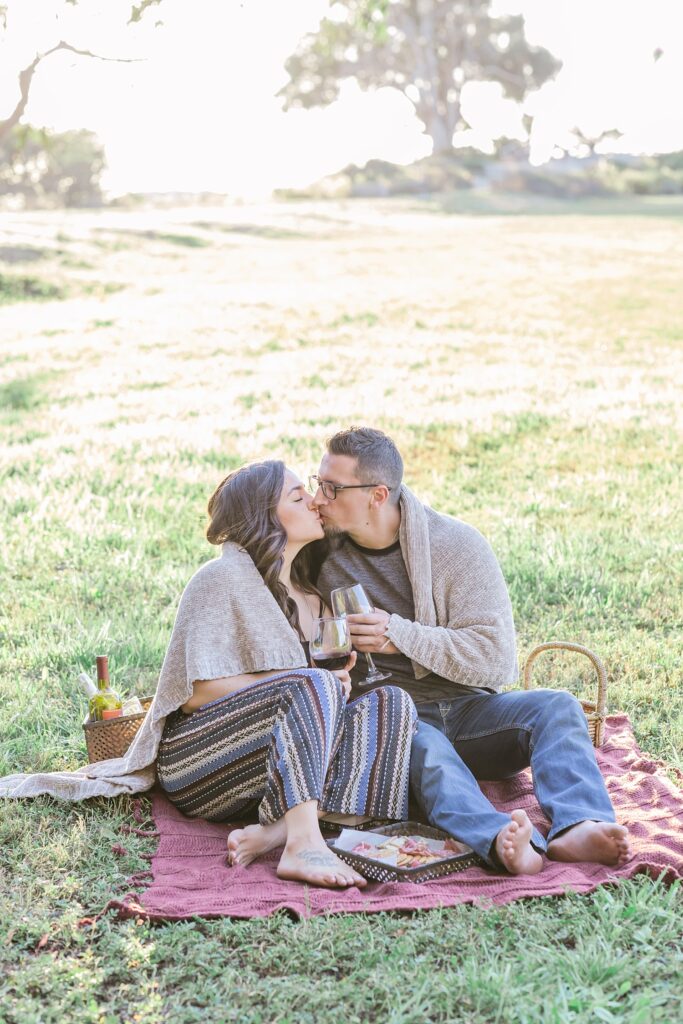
[(344, 674)]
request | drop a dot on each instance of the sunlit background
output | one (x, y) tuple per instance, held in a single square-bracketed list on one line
[(198, 108)]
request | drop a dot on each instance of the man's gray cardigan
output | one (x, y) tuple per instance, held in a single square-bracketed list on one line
[(463, 628)]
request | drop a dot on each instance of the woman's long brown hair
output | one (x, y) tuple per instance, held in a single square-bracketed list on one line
[(243, 509)]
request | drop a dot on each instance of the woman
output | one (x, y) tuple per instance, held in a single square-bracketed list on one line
[(261, 731)]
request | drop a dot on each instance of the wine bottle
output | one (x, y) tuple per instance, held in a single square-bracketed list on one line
[(106, 703)]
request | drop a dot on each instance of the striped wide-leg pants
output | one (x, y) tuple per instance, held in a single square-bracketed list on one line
[(285, 740)]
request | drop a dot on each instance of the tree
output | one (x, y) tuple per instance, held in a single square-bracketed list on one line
[(135, 12), (588, 142), (428, 49), (51, 169)]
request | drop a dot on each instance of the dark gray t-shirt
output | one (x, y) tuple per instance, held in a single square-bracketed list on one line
[(384, 576)]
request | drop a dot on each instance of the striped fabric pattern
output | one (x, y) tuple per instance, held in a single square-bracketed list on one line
[(285, 740)]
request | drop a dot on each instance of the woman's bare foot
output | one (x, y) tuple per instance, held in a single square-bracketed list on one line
[(513, 846), (245, 844), (312, 861), (601, 842)]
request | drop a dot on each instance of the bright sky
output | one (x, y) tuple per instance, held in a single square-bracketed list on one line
[(199, 112)]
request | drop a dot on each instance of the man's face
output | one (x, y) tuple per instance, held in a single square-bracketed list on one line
[(349, 509)]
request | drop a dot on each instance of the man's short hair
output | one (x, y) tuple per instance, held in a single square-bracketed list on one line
[(377, 458)]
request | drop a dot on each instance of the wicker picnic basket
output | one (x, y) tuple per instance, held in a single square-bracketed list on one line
[(595, 711), (112, 737), (376, 871)]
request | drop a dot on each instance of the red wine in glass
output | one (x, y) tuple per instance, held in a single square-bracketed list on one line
[(330, 644), (330, 661)]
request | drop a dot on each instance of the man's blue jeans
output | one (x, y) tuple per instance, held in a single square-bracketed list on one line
[(494, 736)]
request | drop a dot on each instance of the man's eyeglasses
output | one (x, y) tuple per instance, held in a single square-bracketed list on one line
[(330, 490)]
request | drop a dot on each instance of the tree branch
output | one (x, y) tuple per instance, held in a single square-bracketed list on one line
[(26, 77)]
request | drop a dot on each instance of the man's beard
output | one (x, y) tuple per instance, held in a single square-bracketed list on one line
[(333, 532)]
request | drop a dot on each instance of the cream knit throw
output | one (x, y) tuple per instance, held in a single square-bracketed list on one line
[(228, 622), (464, 629)]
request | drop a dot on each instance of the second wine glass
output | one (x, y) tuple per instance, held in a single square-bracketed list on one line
[(354, 601)]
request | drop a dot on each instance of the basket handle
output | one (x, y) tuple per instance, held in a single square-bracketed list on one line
[(563, 645)]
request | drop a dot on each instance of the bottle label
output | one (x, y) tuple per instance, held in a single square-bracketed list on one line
[(112, 713)]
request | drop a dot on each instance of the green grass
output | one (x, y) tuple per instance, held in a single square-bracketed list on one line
[(20, 393), (473, 202), (190, 241), (26, 288), (530, 369)]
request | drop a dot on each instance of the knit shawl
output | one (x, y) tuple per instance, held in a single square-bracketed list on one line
[(228, 623), (463, 629)]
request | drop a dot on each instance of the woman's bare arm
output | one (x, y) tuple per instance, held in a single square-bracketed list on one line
[(206, 690)]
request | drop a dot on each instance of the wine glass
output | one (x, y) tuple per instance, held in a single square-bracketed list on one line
[(330, 643), (354, 601)]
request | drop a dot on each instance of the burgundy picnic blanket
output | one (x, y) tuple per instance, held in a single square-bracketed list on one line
[(190, 875)]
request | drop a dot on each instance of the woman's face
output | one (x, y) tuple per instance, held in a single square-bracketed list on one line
[(299, 517)]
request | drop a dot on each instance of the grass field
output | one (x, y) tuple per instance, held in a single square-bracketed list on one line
[(530, 366)]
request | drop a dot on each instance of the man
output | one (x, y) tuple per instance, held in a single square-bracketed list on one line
[(442, 625)]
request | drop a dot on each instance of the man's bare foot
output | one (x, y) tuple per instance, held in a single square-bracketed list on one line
[(601, 842), (513, 846), (245, 844), (312, 861)]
